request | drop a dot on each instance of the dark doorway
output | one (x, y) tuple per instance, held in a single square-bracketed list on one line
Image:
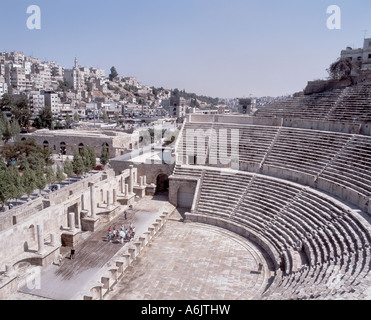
[(63, 148), (162, 184)]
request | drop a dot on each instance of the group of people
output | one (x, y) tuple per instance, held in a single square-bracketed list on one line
[(122, 235)]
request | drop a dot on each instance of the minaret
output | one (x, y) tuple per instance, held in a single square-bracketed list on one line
[(75, 62)]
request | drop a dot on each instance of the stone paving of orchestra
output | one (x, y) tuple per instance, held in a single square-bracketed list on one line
[(191, 261)]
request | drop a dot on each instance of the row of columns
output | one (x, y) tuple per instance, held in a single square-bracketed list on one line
[(126, 189)]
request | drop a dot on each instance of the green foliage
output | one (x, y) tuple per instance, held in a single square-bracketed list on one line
[(50, 175), (22, 112), (29, 180), (131, 88), (113, 74), (68, 168), (64, 85), (45, 119), (6, 186), (92, 156), (86, 159), (176, 93), (104, 157), (68, 121), (5, 127), (76, 117), (40, 178), (6, 102), (16, 180), (15, 130), (78, 164), (105, 117), (29, 153), (60, 177), (342, 69)]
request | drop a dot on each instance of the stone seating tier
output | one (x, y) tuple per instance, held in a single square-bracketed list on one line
[(285, 214)]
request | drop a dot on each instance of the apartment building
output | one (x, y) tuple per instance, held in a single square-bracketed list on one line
[(36, 101), (52, 100), (3, 89)]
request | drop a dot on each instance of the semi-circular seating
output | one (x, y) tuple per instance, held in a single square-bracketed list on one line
[(321, 243)]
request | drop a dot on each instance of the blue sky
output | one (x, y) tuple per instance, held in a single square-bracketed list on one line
[(220, 48)]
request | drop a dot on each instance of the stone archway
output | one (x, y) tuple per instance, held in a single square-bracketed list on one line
[(63, 148), (81, 148), (162, 183), (46, 145)]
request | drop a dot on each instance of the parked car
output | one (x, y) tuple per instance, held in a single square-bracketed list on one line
[(99, 167)]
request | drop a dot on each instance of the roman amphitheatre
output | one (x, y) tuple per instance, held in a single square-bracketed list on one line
[(270, 206)]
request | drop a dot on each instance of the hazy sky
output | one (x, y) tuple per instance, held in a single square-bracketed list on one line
[(220, 48)]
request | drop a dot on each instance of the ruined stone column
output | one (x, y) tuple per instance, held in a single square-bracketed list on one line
[(145, 180), (108, 198), (114, 197), (79, 219), (71, 221), (141, 181), (126, 190), (92, 201), (122, 184), (40, 239), (131, 180), (53, 240), (82, 201)]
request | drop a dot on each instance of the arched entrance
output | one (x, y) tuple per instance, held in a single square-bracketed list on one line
[(81, 148), (162, 183), (63, 148), (46, 145)]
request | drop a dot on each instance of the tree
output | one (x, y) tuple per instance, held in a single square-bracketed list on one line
[(6, 129), (68, 121), (78, 164), (28, 180), (68, 168), (22, 112), (15, 130), (175, 94), (16, 187), (50, 176), (40, 178), (113, 74), (76, 117), (27, 152), (104, 157), (6, 103), (6, 186), (341, 69), (92, 156), (60, 177), (64, 85), (86, 159), (45, 118), (105, 117)]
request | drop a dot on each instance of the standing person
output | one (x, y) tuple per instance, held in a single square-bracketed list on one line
[(72, 253), (133, 231), (125, 214), (122, 236), (109, 234), (114, 232)]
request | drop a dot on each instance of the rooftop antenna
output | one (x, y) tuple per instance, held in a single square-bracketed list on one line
[(364, 34)]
